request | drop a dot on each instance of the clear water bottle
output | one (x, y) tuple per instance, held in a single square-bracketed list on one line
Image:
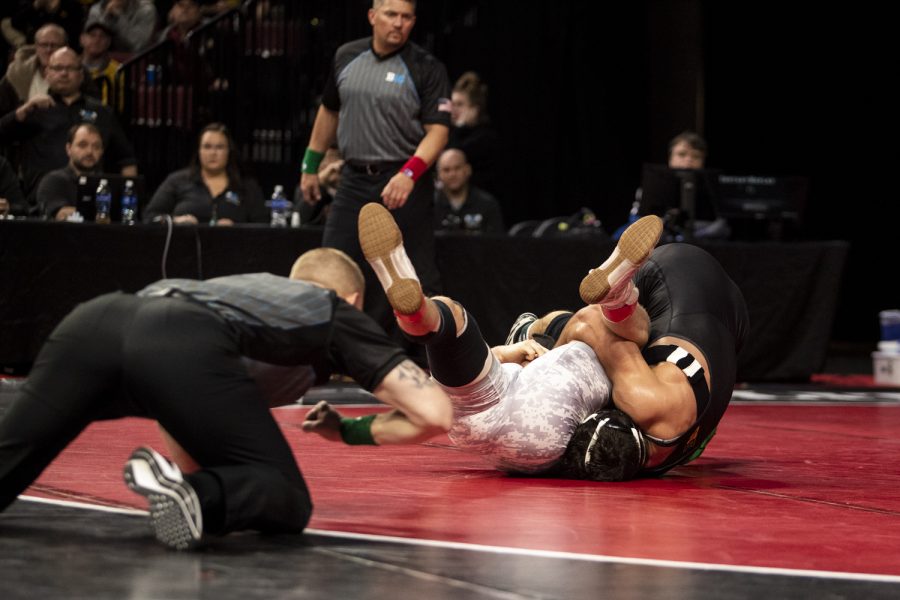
[(280, 207), (102, 202), (129, 204)]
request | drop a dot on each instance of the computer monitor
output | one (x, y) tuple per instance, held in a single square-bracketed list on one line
[(663, 188), (87, 189), (761, 198), (683, 196)]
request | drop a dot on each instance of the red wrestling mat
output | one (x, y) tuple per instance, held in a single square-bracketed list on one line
[(799, 487)]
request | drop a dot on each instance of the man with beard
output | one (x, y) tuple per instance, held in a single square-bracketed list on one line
[(42, 124), (57, 194)]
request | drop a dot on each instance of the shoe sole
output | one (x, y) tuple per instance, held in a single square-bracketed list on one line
[(170, 512), (634, 248), (379, 236)]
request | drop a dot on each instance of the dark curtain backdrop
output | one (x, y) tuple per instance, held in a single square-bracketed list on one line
[(583, 92)]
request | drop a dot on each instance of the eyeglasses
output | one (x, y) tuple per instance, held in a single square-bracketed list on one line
[(61, 68), (48, 45)]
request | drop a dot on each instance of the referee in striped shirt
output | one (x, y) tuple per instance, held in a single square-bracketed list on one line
[(386, 105)]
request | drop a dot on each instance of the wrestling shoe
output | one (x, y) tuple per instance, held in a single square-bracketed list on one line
[(610, 284), (382, 245), (174, 506), (519, 330)]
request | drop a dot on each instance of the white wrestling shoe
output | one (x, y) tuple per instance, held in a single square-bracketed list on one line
[(174, 506), (610, 284), (519, 330), (382, 245)]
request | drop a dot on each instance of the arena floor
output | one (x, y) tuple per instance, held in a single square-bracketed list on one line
[(795, 498)]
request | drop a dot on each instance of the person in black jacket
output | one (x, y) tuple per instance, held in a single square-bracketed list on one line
[(212, 189)]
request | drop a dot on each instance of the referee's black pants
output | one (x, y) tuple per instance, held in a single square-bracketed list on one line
[(415, 219), (168, 359)]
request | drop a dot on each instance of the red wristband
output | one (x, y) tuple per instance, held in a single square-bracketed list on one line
[(414, 168)]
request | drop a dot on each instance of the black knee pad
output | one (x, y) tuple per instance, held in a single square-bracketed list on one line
[(456, 361)]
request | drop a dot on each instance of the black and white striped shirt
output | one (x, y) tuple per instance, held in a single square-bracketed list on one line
[(384, 102)]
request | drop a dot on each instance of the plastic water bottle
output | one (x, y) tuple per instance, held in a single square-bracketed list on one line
[(129, 204), (103, 202), (280, 207)]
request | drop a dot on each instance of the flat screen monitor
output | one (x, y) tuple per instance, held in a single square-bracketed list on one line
[(663, 189), (762, 198), (87, 189)]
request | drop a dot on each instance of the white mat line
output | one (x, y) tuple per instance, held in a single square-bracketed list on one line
[(650, 562)]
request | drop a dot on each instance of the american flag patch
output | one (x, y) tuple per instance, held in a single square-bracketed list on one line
[(443, 105)]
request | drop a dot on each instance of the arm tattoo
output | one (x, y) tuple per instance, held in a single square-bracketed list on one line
[(408, 371)]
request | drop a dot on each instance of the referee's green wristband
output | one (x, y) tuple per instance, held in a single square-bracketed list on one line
[(357, 431), (311, 161)]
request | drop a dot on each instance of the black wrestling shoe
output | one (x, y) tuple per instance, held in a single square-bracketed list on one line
[(519, 330), (610, 284), (174, 506), (382, 245)]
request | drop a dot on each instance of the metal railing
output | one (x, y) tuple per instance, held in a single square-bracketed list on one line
[(254, 68)]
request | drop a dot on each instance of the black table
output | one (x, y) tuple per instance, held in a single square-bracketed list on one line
[(48, 268)]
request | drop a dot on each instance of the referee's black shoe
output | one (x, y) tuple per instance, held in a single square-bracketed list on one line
[(174, 506)]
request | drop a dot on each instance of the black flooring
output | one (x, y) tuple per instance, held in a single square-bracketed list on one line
[(49, 551)]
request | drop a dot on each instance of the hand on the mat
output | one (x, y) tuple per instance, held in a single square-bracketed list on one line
[(521, 353), (397, 190), (324, 420)]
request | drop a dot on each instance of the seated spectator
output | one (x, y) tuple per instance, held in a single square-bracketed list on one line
[(471, 131), (96, 40), (459, 206), (131, 21), (211, 190), (57, 194), (184, 66), (22, 26), (42, 124), (687, 150), (25, 77), (184, 17), (12, 201)]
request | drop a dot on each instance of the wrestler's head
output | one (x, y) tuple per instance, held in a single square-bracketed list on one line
[(606, 446)]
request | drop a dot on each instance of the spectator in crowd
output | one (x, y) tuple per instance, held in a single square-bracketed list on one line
[(459, 206), (42, 124), (25, 76), (57, 194), (96, 40), (132, 22), (212, 189), (471, 131), (184, 17), (21, 27), (687, 153), (12, 202), (687, 150), (185, 65)]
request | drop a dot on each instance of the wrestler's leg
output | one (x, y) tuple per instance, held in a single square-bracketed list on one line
[(611, 284), (457, 352)]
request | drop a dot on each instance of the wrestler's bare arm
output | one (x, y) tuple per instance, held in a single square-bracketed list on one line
[(658, 399)]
